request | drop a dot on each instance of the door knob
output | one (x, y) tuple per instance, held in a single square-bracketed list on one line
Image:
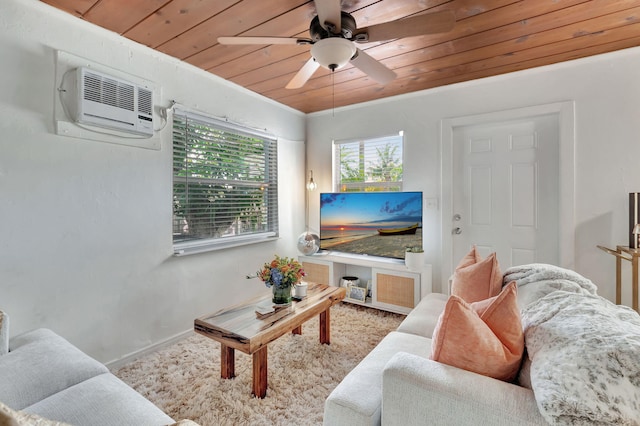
[(457, 231)]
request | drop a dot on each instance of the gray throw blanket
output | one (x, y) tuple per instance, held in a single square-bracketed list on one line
[(536, 280), (582, 350), (584, 359)]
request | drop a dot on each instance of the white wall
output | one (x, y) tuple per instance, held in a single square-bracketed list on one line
[(85, 226), (606, 92)]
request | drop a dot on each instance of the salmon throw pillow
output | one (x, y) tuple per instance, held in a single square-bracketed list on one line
[(484, 337), (470, 258), (476, 279)]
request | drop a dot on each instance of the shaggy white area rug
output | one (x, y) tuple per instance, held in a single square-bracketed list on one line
[(184, 379)]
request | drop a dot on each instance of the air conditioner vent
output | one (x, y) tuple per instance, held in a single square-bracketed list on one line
[(145, 102), (108, 91), (110, 102)]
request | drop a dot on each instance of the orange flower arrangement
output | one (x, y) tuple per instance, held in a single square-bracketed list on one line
[(281, 272)]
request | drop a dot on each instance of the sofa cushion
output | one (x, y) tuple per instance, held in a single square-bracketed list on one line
[(4, 333), (101, 400), (39, 364), (357, 400), (584, 359), (423, 318), (9, 417), (421, 392), (478, 280), (485, 337)]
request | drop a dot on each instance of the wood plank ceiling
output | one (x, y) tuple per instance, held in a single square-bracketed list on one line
[(491, 37)]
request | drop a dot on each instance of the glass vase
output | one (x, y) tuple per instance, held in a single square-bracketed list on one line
[(281, 295)]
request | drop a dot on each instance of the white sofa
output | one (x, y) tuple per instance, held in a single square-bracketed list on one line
[(43, 374), (397, 383)]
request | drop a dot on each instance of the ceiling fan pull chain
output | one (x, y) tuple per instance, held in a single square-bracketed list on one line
[(333, 93)]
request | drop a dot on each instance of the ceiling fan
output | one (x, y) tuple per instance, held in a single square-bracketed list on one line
[(334, 34)]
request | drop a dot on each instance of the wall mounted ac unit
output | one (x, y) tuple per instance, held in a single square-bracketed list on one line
[(102, 100)]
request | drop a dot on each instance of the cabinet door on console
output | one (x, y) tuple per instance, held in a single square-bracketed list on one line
[(316, 273), (401, 290)]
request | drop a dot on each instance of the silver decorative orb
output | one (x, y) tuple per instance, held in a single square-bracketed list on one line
[(308, 243)]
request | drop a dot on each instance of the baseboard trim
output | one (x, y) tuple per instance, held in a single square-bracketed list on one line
[(119, 363)]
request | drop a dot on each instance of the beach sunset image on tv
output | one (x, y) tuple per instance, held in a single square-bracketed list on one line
[(372, 223)]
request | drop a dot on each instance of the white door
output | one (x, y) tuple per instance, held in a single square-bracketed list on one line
[(506, 191)]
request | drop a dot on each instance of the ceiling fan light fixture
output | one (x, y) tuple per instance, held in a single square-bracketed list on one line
[(333, 53)]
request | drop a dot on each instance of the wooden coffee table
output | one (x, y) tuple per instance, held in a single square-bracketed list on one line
[(241, 328)]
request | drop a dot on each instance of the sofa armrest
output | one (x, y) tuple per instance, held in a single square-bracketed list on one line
[(419, 391)]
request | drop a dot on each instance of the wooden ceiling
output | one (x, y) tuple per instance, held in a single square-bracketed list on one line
[(490, 37)]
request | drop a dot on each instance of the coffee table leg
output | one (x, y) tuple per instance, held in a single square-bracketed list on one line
[(325, 329), (297, 330), (227, 362), (260, 372)]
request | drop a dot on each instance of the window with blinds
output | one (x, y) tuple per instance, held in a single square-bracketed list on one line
[(224, 184), (369, 164)]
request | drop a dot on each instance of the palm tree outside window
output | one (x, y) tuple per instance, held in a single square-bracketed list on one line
[(368, 165)]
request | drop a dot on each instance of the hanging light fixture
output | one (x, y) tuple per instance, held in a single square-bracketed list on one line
[(333, 53), (309, 243), (311, 185)]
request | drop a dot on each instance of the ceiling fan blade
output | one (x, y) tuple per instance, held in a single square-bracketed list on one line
[(303, 75), (431, 23), (374, 69), (263, 40), (329, 11)]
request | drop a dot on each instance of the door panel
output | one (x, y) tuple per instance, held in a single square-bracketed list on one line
[(480, 192), (505, 190)]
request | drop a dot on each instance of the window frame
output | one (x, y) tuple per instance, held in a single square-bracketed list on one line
[(363, 186), (180, 164)]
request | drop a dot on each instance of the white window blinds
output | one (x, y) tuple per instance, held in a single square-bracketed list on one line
[(225, 189), (368, 164)]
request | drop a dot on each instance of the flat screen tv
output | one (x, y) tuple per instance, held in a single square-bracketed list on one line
[(371, 223)]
